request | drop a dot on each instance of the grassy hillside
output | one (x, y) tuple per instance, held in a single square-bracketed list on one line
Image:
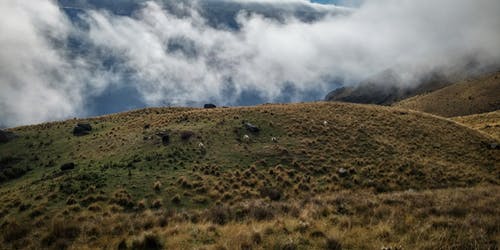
[(473, 96), (337, 174), (488, 123)]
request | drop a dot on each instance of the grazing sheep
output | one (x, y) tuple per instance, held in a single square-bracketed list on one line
[(325, 123), (246, 138), (201, 145), (274, 139)]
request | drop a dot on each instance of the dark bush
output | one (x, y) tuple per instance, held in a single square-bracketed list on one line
[(12, 231), (176, 199), (6, 136), (333, 244), (61, 231), (186, 135), (36, 212), (156, 204), (219, 215), (147, 242), (287, 246), (68, 187), (257, 238), (10, 169), (71, 201), (165, 138), (317, 234), (123, 198), (273, 193), (67, 166), (122, 245), (262, 212)]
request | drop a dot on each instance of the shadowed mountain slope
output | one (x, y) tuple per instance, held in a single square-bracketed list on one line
[(386, 88)]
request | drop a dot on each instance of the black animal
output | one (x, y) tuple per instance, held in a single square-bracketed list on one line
[(209, 106)]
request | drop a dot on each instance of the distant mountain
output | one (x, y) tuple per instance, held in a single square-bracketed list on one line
[(386, 88)]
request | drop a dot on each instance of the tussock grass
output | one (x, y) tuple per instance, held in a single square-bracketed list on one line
[(488, 123), (469, 97), (370, 177)]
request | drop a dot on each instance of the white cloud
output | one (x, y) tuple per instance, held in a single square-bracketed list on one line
[(183, 60), (30, 90)]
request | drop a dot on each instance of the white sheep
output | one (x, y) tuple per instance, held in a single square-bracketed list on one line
[(325, 123), (201, 145), (246, 138), (274, 139)]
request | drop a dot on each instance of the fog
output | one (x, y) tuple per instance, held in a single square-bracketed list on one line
[(172, 59)]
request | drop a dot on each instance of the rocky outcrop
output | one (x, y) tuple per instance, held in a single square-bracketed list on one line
[(251, 128), (209, 106), (82, 129)]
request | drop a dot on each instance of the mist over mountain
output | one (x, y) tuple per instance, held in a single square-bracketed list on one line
[(249, 124), (64, 58)]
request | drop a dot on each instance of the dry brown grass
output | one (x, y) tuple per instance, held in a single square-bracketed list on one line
[(488, 123), (473, 96), (320, 186), (464, 218)]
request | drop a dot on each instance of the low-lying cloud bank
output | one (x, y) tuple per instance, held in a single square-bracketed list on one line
[(52, 65)]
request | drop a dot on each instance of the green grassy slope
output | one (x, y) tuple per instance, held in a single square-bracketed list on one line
[(123, 166)]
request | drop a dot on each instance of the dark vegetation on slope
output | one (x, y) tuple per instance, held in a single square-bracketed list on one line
[(386, 88)]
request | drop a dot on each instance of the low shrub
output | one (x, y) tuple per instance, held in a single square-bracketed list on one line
[(176, 199), (157, 186), (273, 193), (12, 231), (186, 135), (61, 231), (123, 198), (147, 241), (156, 204), (219, 215), (332, 244), (67, 166)]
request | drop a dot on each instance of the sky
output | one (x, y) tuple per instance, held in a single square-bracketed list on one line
[(60, 60)]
